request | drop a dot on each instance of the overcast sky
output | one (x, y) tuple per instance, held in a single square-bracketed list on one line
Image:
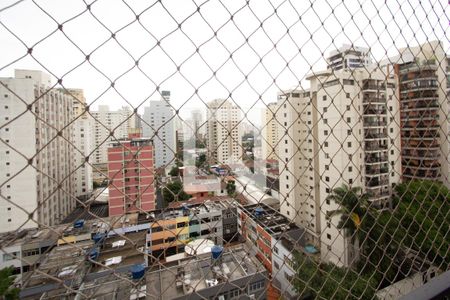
[(314, 30)]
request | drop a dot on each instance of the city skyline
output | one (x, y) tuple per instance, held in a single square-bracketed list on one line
[(136, 89)]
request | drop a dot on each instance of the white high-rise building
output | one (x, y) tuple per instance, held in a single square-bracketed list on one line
[(269, 132), (159, 125), (224, 141), (33, 129), (82, 142), (341, 131), (349, 57), (105, 121)]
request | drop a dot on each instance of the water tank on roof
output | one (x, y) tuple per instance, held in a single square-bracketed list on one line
[(259, 211), (137, 271), (216, 251), (78, 223), (93, 254), (98, 237)]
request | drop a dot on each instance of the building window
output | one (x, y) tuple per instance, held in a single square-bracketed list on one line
[(325, 109), (350, 168), (256, 286), (347, 95), (349, 144), (276, 265), (327, 167), (325, 132), (348, 107), (327, 179), (326, 144), (349, 132), (328, 236), (324, 98)]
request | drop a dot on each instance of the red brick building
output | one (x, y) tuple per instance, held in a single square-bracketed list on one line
[(131, 175)]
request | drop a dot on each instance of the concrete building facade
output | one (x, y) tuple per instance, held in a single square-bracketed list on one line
[(131, 175), (33, 119), (269, 138), (81, 142), (341, 131), (158, 124), (102, 123), (224, 141), (349, 57), (422, 74)]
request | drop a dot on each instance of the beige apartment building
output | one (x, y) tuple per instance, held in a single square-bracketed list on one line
[(343, 130), (81, 143), (269, 132), (33, 120), (224, 141), (102, 122)]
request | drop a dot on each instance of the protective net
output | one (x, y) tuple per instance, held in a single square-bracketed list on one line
[(223, 149)]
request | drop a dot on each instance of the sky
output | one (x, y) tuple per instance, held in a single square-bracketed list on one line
[(247, 51)]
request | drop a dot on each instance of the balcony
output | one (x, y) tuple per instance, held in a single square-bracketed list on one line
[(378, 123), (374, 147), (373, 100), (376, 159), (374, 111)]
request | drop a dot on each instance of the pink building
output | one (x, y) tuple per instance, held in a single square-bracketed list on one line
[(131, 175)]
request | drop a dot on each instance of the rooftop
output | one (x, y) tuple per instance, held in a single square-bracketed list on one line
[(184, 209), (122, 251), (271, 220), (200, 272)]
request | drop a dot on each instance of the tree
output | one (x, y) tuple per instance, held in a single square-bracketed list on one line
[(231, 188), (327, 281), (200, 161), (174, 171), (353, 206), (173, 191), (6, 280), (353, 211)]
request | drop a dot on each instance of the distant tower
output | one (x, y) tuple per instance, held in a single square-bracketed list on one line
[(224, 135), (158, 124)]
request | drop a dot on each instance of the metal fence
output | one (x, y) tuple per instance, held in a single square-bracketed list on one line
[(223, 149)]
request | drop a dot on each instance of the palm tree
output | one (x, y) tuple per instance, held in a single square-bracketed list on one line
[(353, 207)]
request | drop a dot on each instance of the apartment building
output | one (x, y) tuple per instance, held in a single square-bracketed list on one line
[(81, 143), (172, 229), (159, 125), (274, 238), (343, 130), (224, 133), (104, 122), (349, 57), (269, 132), (422, 74), (33, 130), (131, 175)]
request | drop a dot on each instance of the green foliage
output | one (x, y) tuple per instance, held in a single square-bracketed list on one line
[(422, 217), (327, 281), (174, 171), (419, 220), (353, 207), (231, 188), (200, 162), (173, 191), (6, 280)]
